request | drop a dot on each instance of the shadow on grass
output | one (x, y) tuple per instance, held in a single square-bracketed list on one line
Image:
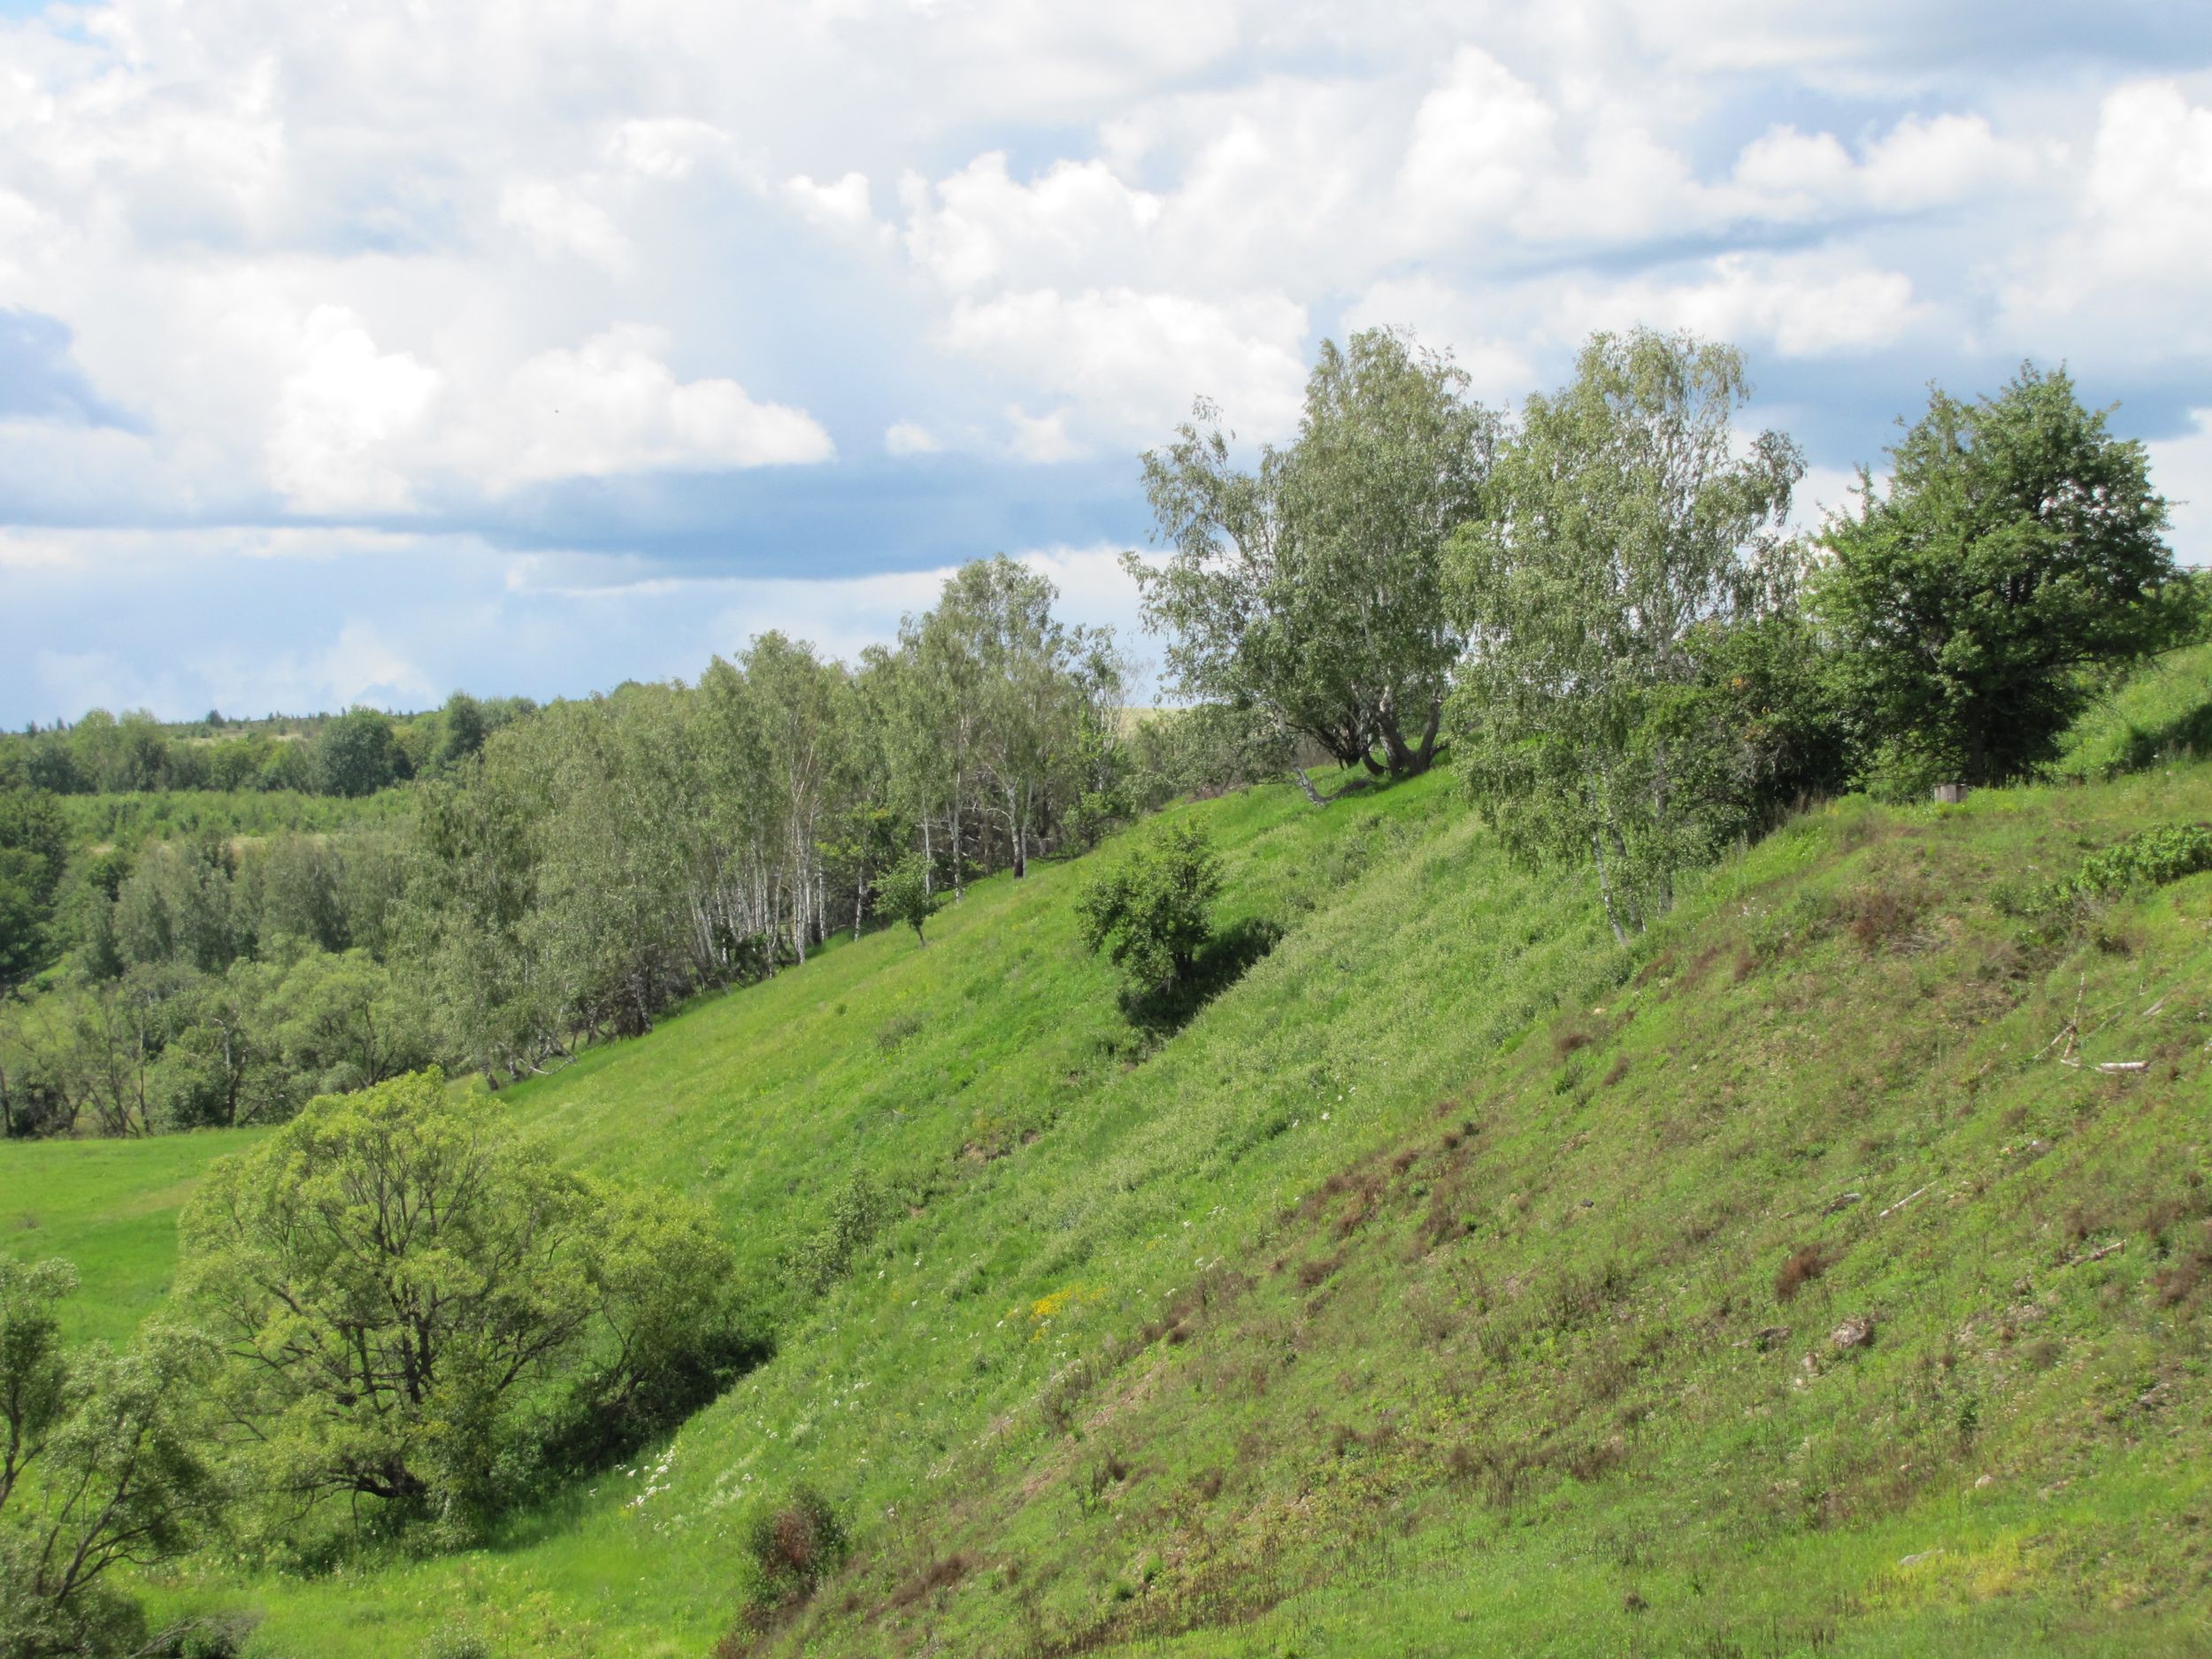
[(2186, 735), (1225, 959)]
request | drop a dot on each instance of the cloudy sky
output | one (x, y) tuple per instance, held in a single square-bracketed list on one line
[(356, 352)]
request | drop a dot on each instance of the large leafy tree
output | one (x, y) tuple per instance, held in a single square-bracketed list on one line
[(1309, 588), (358, 754), (1628, 535), (394, 1274), (101, 1466), (2015, 551)]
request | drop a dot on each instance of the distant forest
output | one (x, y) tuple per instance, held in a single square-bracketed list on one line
[(493, 885), (345, 755)]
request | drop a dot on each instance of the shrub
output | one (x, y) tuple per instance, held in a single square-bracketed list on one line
[(794, 1546), (1152, 916), (857, 1214), (456, 1640), (1877, 915), (2172, 852)]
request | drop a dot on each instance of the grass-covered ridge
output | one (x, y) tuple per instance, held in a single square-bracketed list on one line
[(1427, 1293)]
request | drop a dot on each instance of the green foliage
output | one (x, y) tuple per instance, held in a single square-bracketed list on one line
[(1310, 590), (792, 1546), (1202, 750), (33, 857), (131, 820), (1152, 914), (2150, 858), (164, 1047), (33, 1374), (857, 1215), (2016, 550), (356, 754), (102, 1466), (904, 894), (392, 1275), (1627, 540)]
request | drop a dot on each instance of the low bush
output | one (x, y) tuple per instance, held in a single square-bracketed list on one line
[(792, 1548)]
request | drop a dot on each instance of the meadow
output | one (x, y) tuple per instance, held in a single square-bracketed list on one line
[(1792, 1283), (109, 1207)]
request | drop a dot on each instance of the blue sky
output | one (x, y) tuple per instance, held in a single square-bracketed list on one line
[(361, 353)]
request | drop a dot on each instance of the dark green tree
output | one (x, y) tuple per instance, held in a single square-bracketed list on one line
[(1152, 914), (2015, 552), (462, 729), (33, 850), (356, 754)]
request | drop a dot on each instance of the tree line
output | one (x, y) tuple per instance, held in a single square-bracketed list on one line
[(585, 867), (1596, 604), (347, 755), (1600, 604)]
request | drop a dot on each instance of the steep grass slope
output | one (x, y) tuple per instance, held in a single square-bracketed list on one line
[(2161, 714), (109, 1208), (1453, 1284)]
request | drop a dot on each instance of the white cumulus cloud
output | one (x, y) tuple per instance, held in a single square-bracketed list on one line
[(339, 416), (1132, 362), (613, 405), (558, 220)]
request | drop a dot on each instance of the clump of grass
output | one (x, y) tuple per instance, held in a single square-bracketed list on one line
[(894, 1031), (1804, 1265), (1879, 915)]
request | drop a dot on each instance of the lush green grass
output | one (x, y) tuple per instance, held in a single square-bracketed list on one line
[(1425, 1294), (2154, 718), (110, 1208)]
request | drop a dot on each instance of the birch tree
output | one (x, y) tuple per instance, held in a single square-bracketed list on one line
[(1308, 588), (1626, 525)]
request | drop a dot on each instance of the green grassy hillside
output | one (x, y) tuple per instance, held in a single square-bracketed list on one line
[(2158, 716), (109, 1207), (1795, 1283)]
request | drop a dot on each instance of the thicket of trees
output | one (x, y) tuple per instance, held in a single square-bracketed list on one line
[(608, 858), (352, 754), (571, 873), (1639, 663)]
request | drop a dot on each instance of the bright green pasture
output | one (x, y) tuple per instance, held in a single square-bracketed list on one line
[(110, 1208)]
